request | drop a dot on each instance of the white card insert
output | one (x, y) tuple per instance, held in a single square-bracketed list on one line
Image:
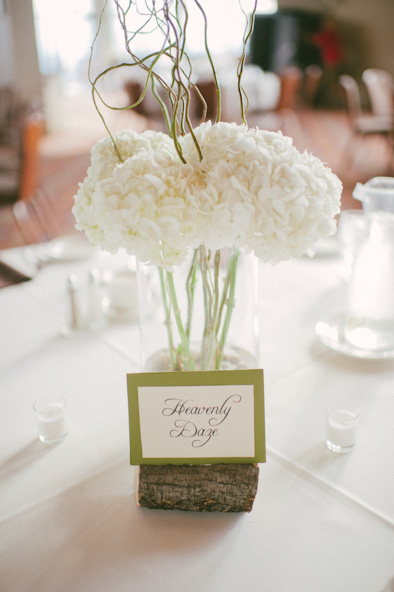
[(212, 421)]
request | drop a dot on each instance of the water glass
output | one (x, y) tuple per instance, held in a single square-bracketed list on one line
[(352, 232), (370, 319), (376, 195)]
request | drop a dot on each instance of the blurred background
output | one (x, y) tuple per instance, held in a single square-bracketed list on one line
[(319, 70)]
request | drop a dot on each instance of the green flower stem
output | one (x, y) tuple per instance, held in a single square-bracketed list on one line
[(207, 343), (209, 353), (190, 288), (216, 289), (167, 313), (188, 362), (230, 302), (223, 300), (218, 306)]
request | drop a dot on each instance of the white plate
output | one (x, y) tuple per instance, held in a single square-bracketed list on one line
[(331, 333), (72, 247)]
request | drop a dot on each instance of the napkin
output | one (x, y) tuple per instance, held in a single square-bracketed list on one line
[(9, 275)]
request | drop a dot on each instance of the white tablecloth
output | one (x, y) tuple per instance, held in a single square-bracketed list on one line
[(68, 516)]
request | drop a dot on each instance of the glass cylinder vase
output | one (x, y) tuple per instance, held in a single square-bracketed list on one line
[(201, 315)]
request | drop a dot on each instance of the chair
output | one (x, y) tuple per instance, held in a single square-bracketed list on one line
[(134, 91), (365, 124), (18, 176), (36, 218), (290, 80), (29, 225), (380, 87), (208, 91), (32, 132), (31, 207), (310, 85), (11, 109)]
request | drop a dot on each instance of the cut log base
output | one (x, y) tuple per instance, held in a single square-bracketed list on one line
[(198, 488)]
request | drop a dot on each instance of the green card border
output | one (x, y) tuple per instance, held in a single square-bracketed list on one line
[(203, 378)]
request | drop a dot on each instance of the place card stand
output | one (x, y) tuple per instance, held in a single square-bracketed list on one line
[(196, 439), (199, 488)]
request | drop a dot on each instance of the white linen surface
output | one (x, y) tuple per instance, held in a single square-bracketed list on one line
[(68, 516)]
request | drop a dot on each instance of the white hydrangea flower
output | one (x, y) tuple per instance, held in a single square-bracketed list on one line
[(252, 189), (144, 205), (279, 203)]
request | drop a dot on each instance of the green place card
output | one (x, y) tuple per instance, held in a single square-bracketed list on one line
[(196, 417)]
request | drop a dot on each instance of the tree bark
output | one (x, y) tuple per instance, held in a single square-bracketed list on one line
[(200, 488)]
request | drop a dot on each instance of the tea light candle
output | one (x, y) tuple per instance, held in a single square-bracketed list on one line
[(50, 418), (342, 425), (122, 292)]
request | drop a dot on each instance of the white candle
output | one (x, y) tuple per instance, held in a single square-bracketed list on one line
[(122, 290), (341, 428), (50, 419)]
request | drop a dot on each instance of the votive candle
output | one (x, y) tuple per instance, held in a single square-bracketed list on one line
[(342, 422), (50, 418)]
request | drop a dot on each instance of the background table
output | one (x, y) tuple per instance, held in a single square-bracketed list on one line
[(68, 516)]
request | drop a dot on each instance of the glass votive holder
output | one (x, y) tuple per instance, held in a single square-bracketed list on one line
[(121, 294), (50, 418), (342, 423)]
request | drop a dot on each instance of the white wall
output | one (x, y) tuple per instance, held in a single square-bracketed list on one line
[(18, 49)]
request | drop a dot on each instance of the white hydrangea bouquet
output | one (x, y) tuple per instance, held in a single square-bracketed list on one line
[(198, 190)]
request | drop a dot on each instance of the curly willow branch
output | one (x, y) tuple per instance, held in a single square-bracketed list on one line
[(170, 19), (247, 34)]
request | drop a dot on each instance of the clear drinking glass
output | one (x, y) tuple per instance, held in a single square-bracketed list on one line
[(376, 195), (370, 317), (352, 232)]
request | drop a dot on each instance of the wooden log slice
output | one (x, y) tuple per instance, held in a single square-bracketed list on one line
[(199, 488)]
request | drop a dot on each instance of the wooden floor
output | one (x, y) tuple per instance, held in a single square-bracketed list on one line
[(65, 155)]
